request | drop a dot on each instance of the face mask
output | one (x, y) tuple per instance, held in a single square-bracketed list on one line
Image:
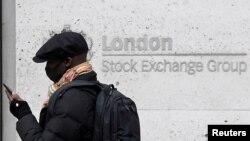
[(53, 73)]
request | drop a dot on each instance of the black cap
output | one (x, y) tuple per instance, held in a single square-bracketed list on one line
[(60, 46)]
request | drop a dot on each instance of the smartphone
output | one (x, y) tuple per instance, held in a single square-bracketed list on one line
[(7, 88)]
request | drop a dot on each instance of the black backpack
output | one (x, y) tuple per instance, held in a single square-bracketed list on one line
[(116, 117)]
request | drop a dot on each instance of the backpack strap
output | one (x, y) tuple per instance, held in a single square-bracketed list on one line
[(115, 122), (76, 83)]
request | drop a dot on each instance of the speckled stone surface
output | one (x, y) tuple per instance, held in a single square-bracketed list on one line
[(174, 102)]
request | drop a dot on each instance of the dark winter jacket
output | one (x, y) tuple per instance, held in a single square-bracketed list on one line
[(73, 118)]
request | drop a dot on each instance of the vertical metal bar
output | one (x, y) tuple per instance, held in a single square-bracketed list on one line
[(1, 109)]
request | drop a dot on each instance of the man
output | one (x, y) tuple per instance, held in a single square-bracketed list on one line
[(73, 118)]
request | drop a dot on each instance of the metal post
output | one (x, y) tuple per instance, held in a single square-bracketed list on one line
[(1, 109)]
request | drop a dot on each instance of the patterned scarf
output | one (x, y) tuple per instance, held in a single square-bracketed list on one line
[(67, 77)]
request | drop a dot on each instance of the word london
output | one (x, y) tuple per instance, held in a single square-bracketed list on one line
[(141, 44)]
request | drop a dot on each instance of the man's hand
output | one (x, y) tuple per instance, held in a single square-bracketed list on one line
[(13, 96), (18, 107)]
